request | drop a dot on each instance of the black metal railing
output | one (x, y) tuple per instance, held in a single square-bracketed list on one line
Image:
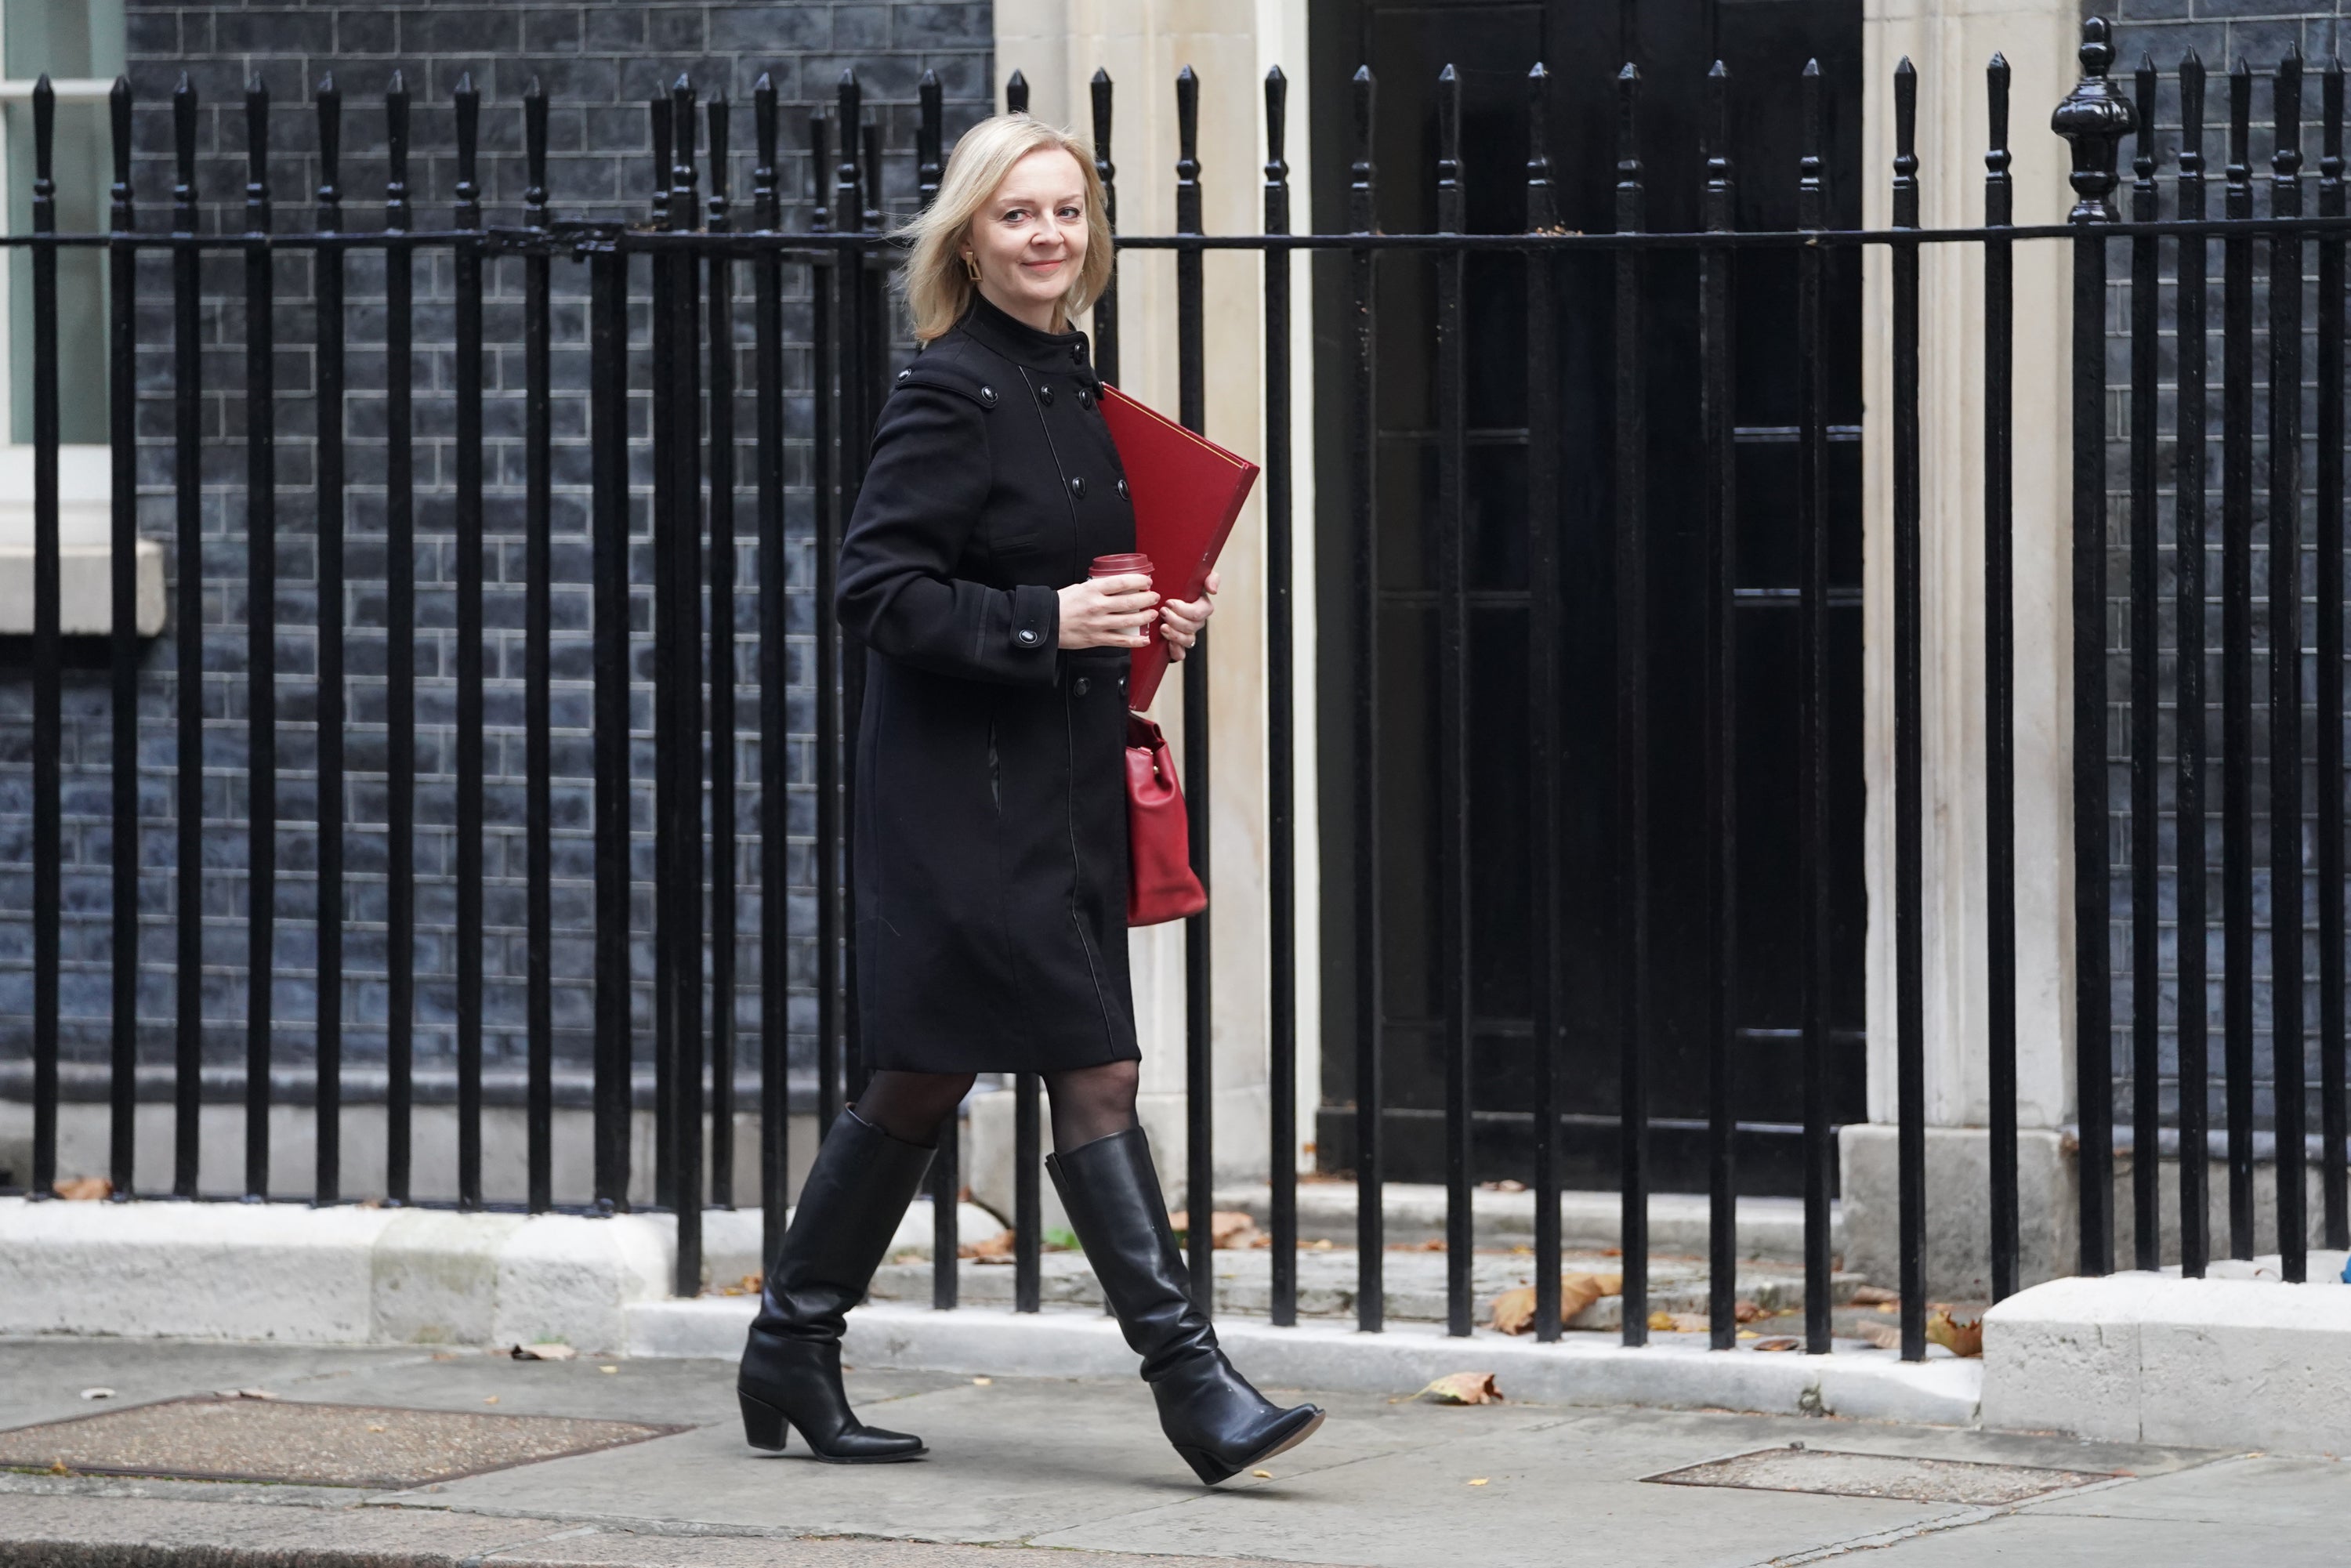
[(709, 302), (2296, 510)]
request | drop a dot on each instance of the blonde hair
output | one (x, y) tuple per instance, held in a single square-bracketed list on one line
[(937, 287)]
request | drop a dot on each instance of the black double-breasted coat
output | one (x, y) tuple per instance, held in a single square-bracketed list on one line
[(989, 794)]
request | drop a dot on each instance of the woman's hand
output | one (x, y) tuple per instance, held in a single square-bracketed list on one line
[(1181, 623), (1108, 611)]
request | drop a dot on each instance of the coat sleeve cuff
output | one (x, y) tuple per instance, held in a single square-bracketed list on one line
[(1036, 623)]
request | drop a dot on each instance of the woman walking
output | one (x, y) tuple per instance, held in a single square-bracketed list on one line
[(991, 854)]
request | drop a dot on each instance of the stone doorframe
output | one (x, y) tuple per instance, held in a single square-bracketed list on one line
[(1057, 44), (1950, 42)]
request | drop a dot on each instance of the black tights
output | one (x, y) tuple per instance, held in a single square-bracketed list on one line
[(1089, 1103)]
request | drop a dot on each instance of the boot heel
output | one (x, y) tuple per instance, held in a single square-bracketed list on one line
[(763, 1424), (1206, 1466)]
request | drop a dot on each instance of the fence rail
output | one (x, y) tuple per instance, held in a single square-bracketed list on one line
[(716, 308)]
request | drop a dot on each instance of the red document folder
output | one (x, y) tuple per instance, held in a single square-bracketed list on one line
[(1186, 492)]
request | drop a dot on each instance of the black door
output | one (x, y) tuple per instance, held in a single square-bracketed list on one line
[(1492, 45)]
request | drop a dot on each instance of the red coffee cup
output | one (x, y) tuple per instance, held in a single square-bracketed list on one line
[(1120, 565)]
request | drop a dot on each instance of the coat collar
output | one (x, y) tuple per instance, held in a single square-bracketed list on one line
[(1023, 344)]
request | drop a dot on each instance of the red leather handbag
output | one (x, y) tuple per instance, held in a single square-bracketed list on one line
[(1160, 885)]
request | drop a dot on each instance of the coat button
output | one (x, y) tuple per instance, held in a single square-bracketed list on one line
[(1086, 398), (904, 375), (1078, 486), (1121, 490), (1027, 637), (1045, 395), (1081, 686), (988, 396), (1078, 352)]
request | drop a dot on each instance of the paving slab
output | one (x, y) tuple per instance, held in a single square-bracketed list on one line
[(2083, 1543), (57, 1532), (43, 1379), (1024, 1464), (2296, 1491), (240, 1436)]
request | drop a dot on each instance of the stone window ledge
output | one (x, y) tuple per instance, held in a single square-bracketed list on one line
[(86, 566)]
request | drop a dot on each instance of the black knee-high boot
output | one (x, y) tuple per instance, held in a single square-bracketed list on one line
[(849, 1206), (1218, 1422)]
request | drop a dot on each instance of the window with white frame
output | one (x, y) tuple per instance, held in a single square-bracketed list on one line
[(79, 45)]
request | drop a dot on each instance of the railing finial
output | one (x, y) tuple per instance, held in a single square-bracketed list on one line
[(2095, 117)]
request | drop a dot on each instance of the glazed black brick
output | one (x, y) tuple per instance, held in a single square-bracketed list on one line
[(2220, 33)]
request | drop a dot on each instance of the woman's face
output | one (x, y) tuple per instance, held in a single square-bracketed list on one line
[(1028, 240)]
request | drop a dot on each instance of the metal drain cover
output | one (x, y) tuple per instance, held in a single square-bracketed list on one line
[(291, 1441), (1832, 1473)]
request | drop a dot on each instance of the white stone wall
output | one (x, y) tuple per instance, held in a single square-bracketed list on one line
[(1231, 43)]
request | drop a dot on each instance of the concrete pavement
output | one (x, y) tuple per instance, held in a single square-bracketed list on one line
[(1024, 1465)]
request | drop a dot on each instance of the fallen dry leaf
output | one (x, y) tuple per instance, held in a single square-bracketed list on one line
[(752, 1284), (1514, 1311), (1876, 1296), (1677, 1322), (996, 1248), (1778, 1342), (489, 1399), (1885, 1336), (1463, 1388), (1745, 1312), (983, 1382), (58, 1468), (1262, 1475), (1324, 1245), (608, 1371), (1476, 1480), (377, 1427), (1228, 1228), (543, 1352), (1961, 1339), (84, 1189)]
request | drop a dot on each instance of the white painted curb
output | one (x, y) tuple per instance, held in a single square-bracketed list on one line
[(324, 1276), (348, 1275), (2249, 1363), (1870, 1384)]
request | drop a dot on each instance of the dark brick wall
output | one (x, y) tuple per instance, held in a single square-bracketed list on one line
[(2221, 32), (598, 64)]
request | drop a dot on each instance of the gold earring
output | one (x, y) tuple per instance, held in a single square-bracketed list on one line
[(970, 267)]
